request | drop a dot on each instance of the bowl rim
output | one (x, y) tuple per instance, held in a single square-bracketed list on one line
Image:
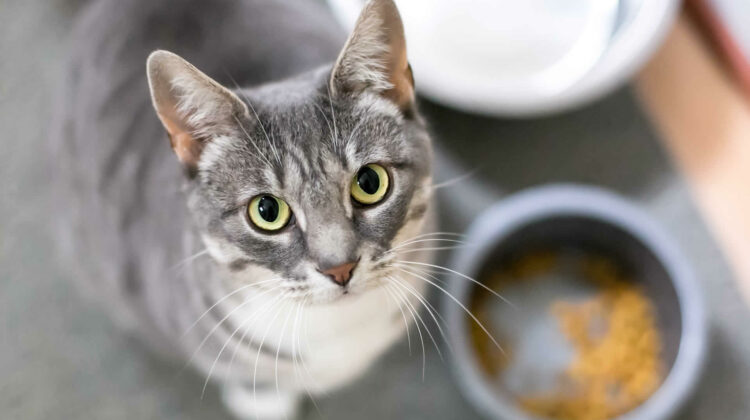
[(540, 203), (633, 43)]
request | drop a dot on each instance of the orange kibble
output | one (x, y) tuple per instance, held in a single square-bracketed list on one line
[(618, 346)]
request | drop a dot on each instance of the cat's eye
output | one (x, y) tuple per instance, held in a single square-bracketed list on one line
[(268, 212), (370, 184)]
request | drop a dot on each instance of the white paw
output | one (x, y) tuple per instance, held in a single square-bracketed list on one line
[(266, 404)]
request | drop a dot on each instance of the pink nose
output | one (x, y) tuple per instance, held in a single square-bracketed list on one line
[(341, 273)]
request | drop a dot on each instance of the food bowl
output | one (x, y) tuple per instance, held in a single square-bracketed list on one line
[(581, 218), (525, 58)]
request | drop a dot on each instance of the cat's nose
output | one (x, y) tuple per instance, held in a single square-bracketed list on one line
[(340, 273)]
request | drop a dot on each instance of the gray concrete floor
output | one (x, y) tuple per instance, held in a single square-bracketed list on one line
[(61, 358)]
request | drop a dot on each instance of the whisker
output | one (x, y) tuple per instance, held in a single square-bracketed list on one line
[(434, 241), (265, 133), (252, 108), (429, 333), (434, 309), (278, 350), (437, 248), (307, 342), (440, 232), (218, 324), (265, 308), (453, 181), (433, 234), (333, 113), (428, 306), (410, 308), (294, 341), (328, 123), (295, 334), (221, 351), (260, 349), (227, 296), (478, 283), (257, 149), (302, 362), (468, 312), (355, 129), (261, 155), (189, 259), (403, 314)]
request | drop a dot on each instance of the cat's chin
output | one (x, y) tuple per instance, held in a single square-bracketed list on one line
[(343, 294), (333, 296)]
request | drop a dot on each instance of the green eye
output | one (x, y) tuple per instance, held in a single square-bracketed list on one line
[(268, 212), (370, 184)]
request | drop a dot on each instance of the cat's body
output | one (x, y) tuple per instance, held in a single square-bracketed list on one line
[(131, 219)]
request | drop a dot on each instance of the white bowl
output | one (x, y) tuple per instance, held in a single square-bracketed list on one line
[(527, 58)]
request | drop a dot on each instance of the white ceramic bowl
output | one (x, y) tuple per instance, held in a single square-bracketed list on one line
[(527, 58)]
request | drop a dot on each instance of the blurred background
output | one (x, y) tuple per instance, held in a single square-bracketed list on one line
[(648, 99)]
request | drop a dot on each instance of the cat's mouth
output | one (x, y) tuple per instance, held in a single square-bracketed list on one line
[(358, 286)]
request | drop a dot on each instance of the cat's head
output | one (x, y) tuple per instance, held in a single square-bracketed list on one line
[(304, 185)]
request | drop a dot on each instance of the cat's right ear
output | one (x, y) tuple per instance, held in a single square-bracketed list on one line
[(374, 57), (192, 107)]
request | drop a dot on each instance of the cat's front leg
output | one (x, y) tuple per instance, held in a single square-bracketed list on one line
[(263, 404)]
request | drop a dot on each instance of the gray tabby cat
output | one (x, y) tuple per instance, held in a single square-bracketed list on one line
[(269, 256)]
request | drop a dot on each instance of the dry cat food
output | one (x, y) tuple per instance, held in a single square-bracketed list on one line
[(616, 362)]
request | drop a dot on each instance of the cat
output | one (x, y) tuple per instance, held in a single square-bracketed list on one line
[(266, 247)]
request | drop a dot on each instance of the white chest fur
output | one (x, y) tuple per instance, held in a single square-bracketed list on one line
[(345, 338), (335, 342)]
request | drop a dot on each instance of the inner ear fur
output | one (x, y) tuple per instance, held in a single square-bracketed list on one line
[(192, 107), (374, 57)]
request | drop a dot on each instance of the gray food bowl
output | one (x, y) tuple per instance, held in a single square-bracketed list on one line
[(591, 218)]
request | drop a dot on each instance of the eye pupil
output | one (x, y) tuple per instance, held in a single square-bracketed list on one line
[(370, 184), (368, 180), (268, 208)]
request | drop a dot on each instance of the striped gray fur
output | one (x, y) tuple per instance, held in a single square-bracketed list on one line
[(130, 215)]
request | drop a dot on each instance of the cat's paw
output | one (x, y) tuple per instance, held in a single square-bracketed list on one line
[(265, 404)]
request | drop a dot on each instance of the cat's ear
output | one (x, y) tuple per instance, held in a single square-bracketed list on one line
[(192, 106), (374, 57)]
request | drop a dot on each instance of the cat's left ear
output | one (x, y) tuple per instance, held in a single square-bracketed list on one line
[(192, 107), (374, 57)]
